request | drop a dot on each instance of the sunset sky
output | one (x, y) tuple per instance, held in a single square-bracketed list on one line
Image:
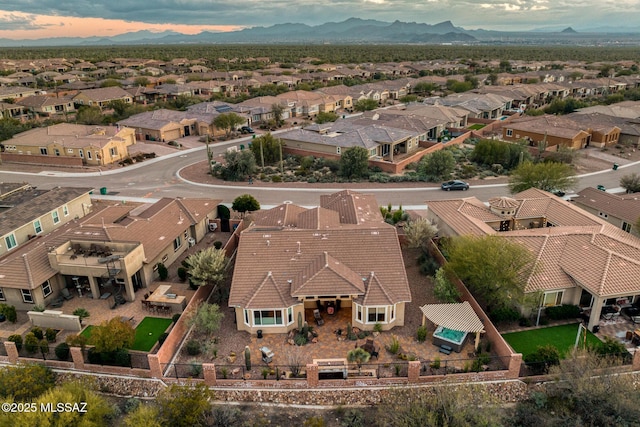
[(30, 19)]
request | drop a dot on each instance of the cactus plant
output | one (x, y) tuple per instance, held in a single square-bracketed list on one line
[(299, 321), (247, 358)]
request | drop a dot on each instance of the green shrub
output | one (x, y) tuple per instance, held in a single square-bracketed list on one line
[(421, 334), (300, 340), (481, 360), (377, 327), (122, 357), (31, 342), (524, 322), (81, 313), (504, 314), (175, 317), (564, 311), (10, 312), (17, 339), (50, 334), (62, 351), (435, 364), (394, 345), (163, 273), (182, 274), (276, 178), (44, 346), (193, 348), (37, 331), (196, 369), (39, 308), (612, 347), (162, 338), (543, 358)]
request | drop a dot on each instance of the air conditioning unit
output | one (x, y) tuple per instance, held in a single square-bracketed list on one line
[(213, 226), (191, 241)]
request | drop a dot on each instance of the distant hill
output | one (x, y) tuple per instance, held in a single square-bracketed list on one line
[(350, 31)]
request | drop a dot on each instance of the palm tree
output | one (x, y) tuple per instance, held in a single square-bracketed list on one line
[(359, 356)]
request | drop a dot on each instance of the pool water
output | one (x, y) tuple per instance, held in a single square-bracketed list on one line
[(450, 334)]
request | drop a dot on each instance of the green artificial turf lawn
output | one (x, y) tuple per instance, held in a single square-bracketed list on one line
[(561, 337), (154, 325), (477, 126), (86, 332)]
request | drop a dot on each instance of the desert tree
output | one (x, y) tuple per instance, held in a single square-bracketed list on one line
[(354, 162), (207, 267), (547, 176), (494, 268)]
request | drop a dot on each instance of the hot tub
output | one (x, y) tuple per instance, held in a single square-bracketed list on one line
[(452, 338)]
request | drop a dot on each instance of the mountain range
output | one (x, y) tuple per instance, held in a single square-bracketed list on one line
[(350, 31)]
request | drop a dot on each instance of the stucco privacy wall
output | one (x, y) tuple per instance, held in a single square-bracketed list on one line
[(54, 319)]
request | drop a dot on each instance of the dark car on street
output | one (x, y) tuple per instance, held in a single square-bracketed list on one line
[(455, 185), (246, 129)]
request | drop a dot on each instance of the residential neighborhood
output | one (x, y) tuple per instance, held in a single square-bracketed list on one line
[(286, 233)]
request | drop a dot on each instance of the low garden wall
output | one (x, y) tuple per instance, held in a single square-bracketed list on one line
[(74, 162), (55, 319)]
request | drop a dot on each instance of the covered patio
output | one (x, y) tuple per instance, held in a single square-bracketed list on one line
[(454, 316)]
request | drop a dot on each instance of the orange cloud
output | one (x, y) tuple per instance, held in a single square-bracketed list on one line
[(44, 26)]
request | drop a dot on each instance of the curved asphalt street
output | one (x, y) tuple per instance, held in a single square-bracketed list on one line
[(160, 177)]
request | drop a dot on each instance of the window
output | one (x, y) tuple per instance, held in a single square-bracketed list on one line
[(46, 289), (359, 312), (65, 210), (37, 227), (81, 153), (552, 298), (70, 150), (177, 243), (2, 298), (267, 318), (10, 241), (626, 227), (26, 295), (246, 317), (289, 315), (602, 214), (338, 150), (88, 155), (43, 151), (113, 151), (56, 151), (509, 132), (376, 314), (55, 216)]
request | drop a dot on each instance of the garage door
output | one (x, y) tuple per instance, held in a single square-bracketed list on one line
[(170, 135)]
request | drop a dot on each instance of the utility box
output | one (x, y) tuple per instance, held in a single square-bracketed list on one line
[(267, 354)]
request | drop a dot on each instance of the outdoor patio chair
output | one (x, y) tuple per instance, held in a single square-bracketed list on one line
[(66, 294), (318, 317), (57, 302)]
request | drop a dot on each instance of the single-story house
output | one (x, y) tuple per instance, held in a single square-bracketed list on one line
[(581, 259), (341, 254)]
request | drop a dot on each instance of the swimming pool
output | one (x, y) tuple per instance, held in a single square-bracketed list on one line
[(452, 338)]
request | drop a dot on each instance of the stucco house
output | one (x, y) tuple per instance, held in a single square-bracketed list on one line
[(114, 249), (331, 139), (342, 254), (581, 259), (552, 132), (101, 97), (27, 212), (620, 210), (90, 145)]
